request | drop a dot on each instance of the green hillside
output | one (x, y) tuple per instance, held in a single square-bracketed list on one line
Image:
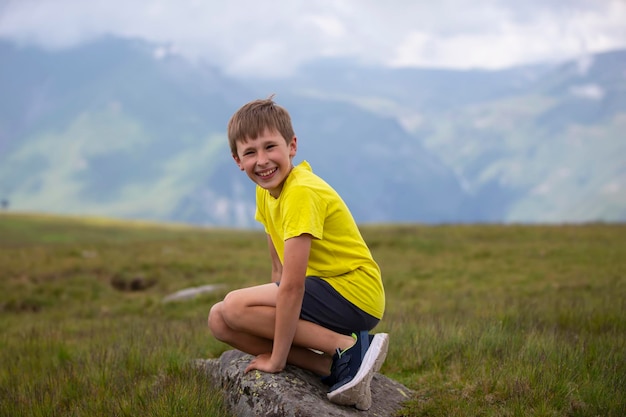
[(484, 320), (108, 129), (529, 144)]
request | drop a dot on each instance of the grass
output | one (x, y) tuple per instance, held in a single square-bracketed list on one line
[(485, 320)]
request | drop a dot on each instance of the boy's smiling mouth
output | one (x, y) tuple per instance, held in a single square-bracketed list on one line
[(267, 173)]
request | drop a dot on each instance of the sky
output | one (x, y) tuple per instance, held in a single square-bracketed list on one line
[(272, 38)]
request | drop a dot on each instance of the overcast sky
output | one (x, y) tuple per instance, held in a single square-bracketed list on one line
[(272, 38)]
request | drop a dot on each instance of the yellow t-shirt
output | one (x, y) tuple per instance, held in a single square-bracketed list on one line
[(339, 255)]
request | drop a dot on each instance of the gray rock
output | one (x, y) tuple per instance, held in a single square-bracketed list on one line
[(291, 393), (193, 292)]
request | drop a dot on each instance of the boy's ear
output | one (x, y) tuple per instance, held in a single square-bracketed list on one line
[(238, 162), (293, 147)]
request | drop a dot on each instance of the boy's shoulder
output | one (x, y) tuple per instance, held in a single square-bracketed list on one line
[(302, 176), (302, 168)]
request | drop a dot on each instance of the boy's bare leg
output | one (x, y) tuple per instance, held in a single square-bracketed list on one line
[(245, 320), (255, 345)]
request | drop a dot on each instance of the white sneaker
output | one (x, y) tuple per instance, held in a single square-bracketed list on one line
[(369, 359)]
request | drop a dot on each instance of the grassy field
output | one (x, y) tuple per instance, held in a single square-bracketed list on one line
[(485, 320)]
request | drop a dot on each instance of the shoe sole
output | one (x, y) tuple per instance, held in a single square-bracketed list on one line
[(357, 392)]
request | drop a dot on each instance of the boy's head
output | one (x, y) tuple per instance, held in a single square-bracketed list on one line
[(252, 119)]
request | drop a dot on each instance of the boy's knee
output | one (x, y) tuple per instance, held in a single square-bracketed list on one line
[(233, 310), (214, 311), (215, 320), (231, 298), (230, 305)]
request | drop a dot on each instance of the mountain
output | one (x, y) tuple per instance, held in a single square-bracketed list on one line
[(538, 143), (107, 129), (557, 146), (117, 128)]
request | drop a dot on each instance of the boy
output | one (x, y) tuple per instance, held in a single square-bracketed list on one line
[(326, 291)]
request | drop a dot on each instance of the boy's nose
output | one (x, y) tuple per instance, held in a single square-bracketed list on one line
[(262, 158)]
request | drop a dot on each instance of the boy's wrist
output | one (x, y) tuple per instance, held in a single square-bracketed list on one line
[(278, 364)]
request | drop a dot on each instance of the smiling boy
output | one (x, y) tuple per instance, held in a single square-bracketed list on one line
[(326, 292)]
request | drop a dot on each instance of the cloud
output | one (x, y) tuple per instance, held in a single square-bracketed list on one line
[(248, 37), (588, 91)]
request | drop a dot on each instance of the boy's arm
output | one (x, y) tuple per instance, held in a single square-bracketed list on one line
[(290, 294), (277, 266), (288, 304)]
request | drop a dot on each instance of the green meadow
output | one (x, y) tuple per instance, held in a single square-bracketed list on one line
[(485, 320)]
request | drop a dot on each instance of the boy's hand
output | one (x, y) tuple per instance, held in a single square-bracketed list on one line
[(263, 362)]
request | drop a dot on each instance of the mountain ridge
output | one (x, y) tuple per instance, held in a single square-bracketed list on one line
[(111, 128)]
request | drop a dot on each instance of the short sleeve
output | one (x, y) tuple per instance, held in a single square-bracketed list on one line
[(304, 212), (259, 213)]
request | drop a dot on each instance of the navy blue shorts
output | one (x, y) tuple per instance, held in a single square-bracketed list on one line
[(323, 305)]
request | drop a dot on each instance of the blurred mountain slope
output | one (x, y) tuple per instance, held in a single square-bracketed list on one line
[(119, 128)]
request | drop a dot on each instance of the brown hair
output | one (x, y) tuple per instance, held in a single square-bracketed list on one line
[(253, 118)]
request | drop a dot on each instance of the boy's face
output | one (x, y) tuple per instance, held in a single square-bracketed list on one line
[(267, 160)]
